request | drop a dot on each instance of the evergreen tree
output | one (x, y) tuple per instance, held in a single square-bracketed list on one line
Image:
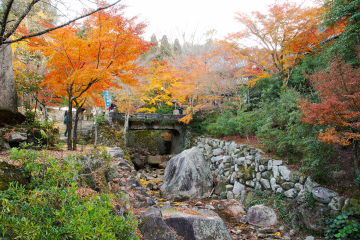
[(165, 49), (177, 47), (153, 39)]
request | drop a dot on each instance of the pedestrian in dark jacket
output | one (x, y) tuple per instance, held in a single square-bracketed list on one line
[(66, 121), (181, 110)]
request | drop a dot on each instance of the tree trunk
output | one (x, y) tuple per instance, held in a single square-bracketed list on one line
[(8, 93), (69, 139), (75, 127), (96, 127), (43, 109), (126, 126), (36, 103), (356, 155)]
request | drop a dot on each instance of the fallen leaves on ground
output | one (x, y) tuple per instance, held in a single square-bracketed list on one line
[(83, 192)]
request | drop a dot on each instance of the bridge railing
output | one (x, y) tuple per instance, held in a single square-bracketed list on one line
[(155, 116)]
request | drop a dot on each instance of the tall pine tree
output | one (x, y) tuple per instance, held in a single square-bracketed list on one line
[(177, 47), (165, 49)]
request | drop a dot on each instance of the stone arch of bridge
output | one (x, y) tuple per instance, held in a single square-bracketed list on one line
[(156, 122)]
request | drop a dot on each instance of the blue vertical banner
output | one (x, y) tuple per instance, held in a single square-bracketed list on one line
[(107, 98)]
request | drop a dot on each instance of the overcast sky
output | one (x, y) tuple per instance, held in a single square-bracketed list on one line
[(174, 17)]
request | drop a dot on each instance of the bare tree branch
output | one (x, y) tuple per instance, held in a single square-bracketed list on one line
[(11, 32)]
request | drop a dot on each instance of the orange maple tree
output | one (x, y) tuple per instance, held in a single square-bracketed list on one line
[(97, 56), (283, 35), (207, 79), (339, 91)]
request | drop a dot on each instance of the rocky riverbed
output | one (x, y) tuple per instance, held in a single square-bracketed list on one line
[(230, 211), (144, 194)]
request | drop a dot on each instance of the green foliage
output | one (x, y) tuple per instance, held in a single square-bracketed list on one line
[(53, 209), (282, 207), (357, 174), (260, 197), (100, 119), (316, 159), (198, 124), (25, 145), (49, 133), (310, 201), (310, 64), (165, 109), (224, 124), (344, 226), (30, 117), (24, 156), (280, 129), (346, 43), (246, 121), (266, 89)]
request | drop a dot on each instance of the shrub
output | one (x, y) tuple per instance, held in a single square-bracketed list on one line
[(344, 226), (280, 129), (165, 109), (316, 159), (224, 124), (246, 121), (53, 209)]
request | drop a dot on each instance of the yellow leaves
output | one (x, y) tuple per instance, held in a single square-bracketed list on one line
[(146, 110), (189, 116), (329, 136), (161, 83), (251, 83)]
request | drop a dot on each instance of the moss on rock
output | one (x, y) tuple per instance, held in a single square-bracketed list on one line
[(296, 176), (248, 173), (9, 173), (10, 117)]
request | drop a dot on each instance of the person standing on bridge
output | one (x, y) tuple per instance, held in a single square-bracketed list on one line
[(181, 110)]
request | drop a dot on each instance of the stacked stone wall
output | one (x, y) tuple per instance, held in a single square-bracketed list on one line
[(239, 168)]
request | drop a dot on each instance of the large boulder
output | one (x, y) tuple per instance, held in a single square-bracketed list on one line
[(152, 226), (238, 188), (17, 137), (155, 160), (310, 184), (8, 93), (311, 218), (116, 152), (261, 216), (234, 208), (10, 117), (4, 145), (187, 177), (9, 173), (204, 224), (323, 195), (138, 164)]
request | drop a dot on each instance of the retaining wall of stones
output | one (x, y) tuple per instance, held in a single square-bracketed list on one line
[(240, 167)]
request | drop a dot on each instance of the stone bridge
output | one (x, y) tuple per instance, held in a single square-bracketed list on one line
[(155, 121)]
